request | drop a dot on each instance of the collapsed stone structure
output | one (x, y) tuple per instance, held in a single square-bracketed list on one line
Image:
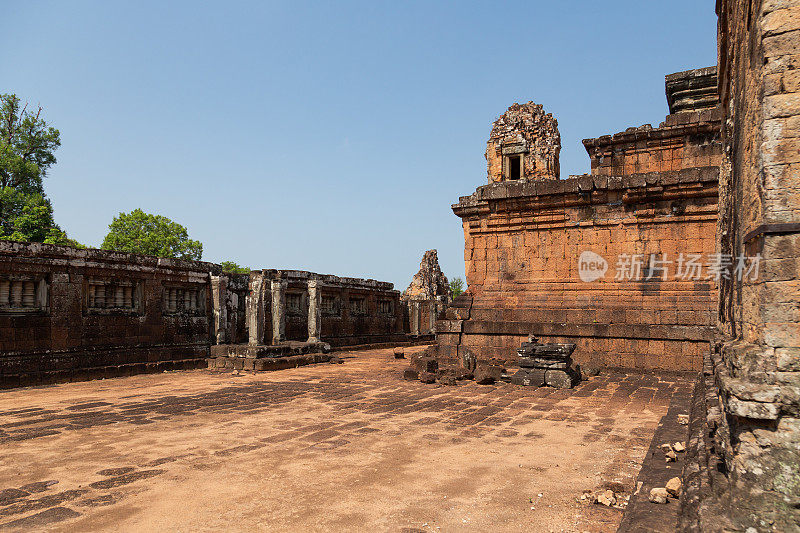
[(69, 314), (545, 364), (651, 199), (427, 296)]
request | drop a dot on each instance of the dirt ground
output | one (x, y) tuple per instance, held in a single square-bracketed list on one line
[(348, 447)]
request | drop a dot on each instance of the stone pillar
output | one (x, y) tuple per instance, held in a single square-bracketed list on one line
[(278, 310), (314, 311), (255, 308), (219, 289), (433, 305), (414, 318)]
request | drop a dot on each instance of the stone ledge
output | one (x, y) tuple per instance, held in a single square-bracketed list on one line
[(81, 256), (548, 329), (587, 184), (256, 351)]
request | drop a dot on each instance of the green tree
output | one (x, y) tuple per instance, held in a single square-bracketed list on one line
[(233, 268), (27, 151), (456, 287), (142, 233), (30, 219)]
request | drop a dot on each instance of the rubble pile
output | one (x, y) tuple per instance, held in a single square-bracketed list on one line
[(545, 364)]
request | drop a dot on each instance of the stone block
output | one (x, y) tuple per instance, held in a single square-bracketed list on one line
[(486, 374), (410, 374), (559, 379), (529, 377), (425, 364)]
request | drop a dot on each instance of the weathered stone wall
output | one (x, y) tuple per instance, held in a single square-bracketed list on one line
[(688, 139), (747, 471), (68, 314), (522, 247), (526, 139)]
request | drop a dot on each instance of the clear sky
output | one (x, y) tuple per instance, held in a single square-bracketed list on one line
[(328, 136)]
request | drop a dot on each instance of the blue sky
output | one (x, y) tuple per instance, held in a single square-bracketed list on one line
[(330, 137)]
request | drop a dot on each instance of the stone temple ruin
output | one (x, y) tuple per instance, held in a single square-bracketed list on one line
[(651, 196), (427, 296), (677, 253)]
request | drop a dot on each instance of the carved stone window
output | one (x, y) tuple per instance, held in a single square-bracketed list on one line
[(385, 307), (112, 295), (514, 166), (188, 300), (329, 305), (22, 294), (294, 303), (358, 306)]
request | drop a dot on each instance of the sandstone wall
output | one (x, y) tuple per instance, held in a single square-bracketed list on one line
[(651, 200), (746, 422), (522, 247), (69, 314), (98, 313)]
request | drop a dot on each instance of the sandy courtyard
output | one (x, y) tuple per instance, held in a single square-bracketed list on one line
[(348, 447)]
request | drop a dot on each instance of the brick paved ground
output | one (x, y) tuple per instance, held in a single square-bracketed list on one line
[(324, 447)]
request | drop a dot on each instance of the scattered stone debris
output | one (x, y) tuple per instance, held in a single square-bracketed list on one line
[(683, 420), (336, 360), (607, 498), (670, 450), (446, 377), (424, 363), (399, 353), (659, 495), (674, 487)]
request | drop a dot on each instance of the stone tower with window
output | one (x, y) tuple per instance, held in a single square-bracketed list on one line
[(524, 144)]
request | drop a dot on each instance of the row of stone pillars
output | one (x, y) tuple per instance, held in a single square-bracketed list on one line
[(256, 310)]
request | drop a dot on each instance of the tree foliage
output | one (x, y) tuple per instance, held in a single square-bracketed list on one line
[(233, 268), (27, 151), (27, 146), (30, 219), (142, 233), (456, 287)]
